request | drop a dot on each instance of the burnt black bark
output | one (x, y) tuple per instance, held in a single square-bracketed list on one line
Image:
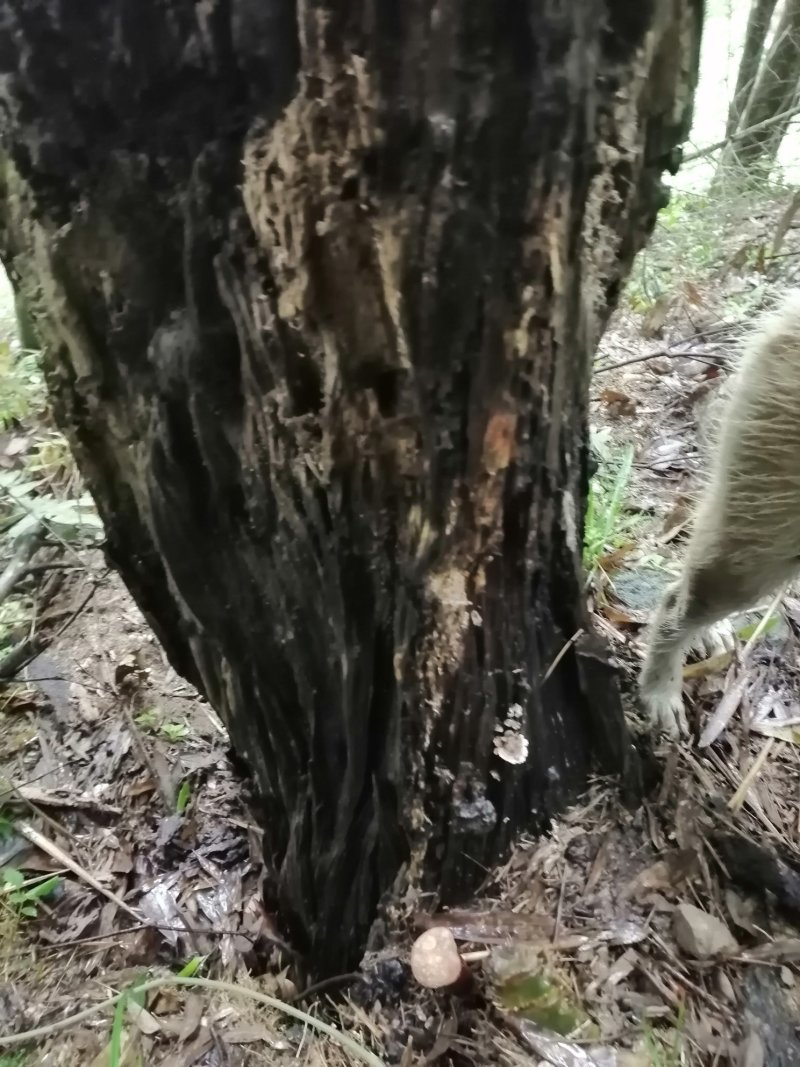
[(320, 289)]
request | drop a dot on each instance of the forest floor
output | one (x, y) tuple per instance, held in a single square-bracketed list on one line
[(626, 938)]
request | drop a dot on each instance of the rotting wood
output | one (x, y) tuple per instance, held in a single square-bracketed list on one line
[(320, 288)]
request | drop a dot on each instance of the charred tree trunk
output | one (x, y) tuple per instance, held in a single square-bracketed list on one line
[(773, 94), (321, 288), (758, 23)]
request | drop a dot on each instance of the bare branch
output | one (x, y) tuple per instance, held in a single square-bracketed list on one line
[(765, 125)]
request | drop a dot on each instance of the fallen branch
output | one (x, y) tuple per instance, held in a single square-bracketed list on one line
[(740, 795), (658, 355), (60, 856), (764, 125)]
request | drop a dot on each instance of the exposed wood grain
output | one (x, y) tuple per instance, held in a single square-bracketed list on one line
[(321, 288)]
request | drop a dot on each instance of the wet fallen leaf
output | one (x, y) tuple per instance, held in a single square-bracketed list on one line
[(193, 1016), (655, 877), (705, 667), (676, 520), (725, 710), (742, 911), (725, 986), (146, 1022), (17, 446), (612, 561), (193, 1053), (52, 798), (693, 294), (619, 616), (622, 968), (559, 1053), (130, 670), (659, 367), (87, 708), (617, 403), (445, 1038), (128, 1055), (668, 455), (790, 734), (253, 1033)]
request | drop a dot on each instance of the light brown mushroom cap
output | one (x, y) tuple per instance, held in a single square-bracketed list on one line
[(435, 962)]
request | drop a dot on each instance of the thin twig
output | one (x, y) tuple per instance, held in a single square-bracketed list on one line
[(658, 355), (18, 792), (764, 125), (208, 931), (45, 568), (324, 985), (60, 856), (783, 255), (740, 795), (560, 906), (37, 777), (562, 652)]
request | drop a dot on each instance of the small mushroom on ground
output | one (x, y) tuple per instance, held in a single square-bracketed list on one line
[(435, 961)]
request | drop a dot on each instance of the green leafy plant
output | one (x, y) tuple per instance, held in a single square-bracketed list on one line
[(688, 232), (665, 1048), (192, 966), (130, 995), (660, 1051), (184, 796), (608, 525), (745, 632), (6, 823), (175, 731), (544, 998), (24, 896), (26, 503), (14, 1059), (148, 719), (22, 388)]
